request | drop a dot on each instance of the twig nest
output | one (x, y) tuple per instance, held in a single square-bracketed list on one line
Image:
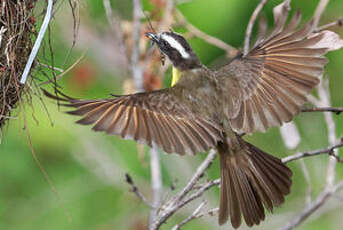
[(16, 27)]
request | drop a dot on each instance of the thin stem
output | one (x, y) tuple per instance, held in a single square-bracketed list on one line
[(156, 184), (336, 110), (136, 70), (251, 25), (301, 155), (319, 11), (209, 39)]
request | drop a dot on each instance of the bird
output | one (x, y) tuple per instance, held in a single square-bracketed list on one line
[(213, 109)]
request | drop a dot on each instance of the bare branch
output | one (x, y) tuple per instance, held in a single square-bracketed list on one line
[(310, 209), (336, 110), (136, 70), (199, 192), (51, 67), (315, 101), (308, 181), (301, 155), (324, 96), (319, 11), (156, 184), (324, 100), (210, 212), (136, 191), (191, 217), (109, 12), (177, 202), (198, 173), (58, 77), (113, 21), (338, 22), (167, 17), (173, 208), (251, 25), (231, 51)]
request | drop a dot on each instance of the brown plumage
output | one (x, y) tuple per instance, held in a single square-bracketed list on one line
[(209, 109)]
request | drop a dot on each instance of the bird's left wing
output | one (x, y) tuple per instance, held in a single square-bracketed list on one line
[(156, 117), (268, 86)]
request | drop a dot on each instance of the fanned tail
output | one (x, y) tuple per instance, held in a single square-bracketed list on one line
[(251, 180)]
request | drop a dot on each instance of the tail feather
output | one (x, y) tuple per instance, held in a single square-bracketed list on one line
[(251, 180)]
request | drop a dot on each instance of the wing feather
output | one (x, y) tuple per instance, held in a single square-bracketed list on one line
[(156, 117), (269, 85)]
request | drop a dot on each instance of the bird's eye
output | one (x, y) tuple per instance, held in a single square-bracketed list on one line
[(164, 43)]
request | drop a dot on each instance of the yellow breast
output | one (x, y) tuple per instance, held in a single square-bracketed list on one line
[(175, 76)]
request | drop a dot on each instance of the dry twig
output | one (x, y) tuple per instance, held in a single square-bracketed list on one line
[(319, 11), (136, 70), (178, 202), (251, 25), (338, 22), (231, 51), (193, 216), (156, 184), (317, 152), (136, 191), (336, 110), (311, 208)]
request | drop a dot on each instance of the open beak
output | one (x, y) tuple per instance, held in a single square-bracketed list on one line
[(153, 37)]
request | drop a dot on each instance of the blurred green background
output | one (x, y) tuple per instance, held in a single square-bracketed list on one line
[(88, 168)]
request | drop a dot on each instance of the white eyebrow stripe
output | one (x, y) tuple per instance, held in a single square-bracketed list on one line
[(176, 45)]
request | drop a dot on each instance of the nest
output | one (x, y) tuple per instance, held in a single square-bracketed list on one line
[(16, 29)]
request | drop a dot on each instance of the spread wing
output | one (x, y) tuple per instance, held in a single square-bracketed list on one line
[(156, 117), (269, 85)]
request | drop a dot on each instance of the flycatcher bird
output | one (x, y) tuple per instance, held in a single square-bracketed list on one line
[(211, 109)]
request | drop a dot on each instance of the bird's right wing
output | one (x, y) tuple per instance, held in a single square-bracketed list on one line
[(268, 86), (156, 117)]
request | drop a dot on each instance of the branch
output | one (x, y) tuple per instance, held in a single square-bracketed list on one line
[(338, 23), (36, 46), (328, 150), (310, 209), (64, 72), (113, 21), (324, 96), (136, 70), (324, 99), (194, 216), (198, 173), (319, 11), (307, 178), (198, 193), (251, 25), (191, 217), (177, 202), (169, 211), (156, 184), (336, 110), (136, 191), (109, 13), (231, 51)]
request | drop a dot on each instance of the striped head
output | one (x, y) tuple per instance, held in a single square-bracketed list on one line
[(176, 48)]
